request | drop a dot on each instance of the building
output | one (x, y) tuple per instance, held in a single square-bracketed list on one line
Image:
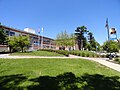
[(36, 41)]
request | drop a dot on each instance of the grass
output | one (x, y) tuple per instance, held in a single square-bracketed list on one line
[(36, 53), (56, 74)]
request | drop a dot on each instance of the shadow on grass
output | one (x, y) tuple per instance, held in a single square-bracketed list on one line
[(66, 81), (11, 82)]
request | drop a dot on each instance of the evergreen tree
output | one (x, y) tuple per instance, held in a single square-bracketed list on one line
[(2, 35), (80, 38)]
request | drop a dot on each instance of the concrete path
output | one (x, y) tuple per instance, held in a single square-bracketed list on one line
[(103, 61)]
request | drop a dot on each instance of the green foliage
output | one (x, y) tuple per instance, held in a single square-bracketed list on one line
[(80, 38), (93, 45), (2, 35), (64, 39), (111, 46), (117, 60), (18, 43), (88, 42), (12, 43), (37, 53), (23, 42), (84, 53), (63, 52)]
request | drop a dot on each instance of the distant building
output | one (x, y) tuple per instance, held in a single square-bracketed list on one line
[(35, 40)]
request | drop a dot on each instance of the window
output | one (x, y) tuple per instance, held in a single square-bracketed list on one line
[(12, 33)]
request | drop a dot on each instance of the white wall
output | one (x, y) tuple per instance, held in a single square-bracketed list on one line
[(3, 48)]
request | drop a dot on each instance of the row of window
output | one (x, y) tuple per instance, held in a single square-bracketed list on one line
[(11, 33)]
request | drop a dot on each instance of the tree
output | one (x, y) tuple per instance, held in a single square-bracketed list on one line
[(62, 38), (23, 42), (72, 40), (65, 40), (90, 36), (12, 43), (2, 35), (80, 38), (93, 44), (111, 46), (18, 43)]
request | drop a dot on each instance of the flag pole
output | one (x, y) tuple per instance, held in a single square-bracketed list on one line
[(42, 39), (107, 26), (38, 38)]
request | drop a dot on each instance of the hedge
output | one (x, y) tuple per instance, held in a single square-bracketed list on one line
[(63, 52)]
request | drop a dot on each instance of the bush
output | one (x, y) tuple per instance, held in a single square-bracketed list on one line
[(87, 55), (93, 55), (83, 54), (117, 60), (63, 52)]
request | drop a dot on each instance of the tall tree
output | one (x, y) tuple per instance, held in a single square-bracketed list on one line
[(90, 36), (80, 38), (2, 35), (93, 44)]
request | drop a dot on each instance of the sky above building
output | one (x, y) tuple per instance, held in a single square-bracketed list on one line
[(59, 15)]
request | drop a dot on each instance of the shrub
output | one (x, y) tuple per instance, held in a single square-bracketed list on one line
[(87, 55), (83, 54), (79, 54), (63, 52), (117, 60)]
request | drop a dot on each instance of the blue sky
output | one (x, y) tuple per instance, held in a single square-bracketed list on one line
[(59, 15)]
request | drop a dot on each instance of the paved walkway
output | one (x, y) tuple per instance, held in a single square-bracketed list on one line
[(103, 61)]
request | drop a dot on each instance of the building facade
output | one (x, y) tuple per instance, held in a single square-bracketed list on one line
[(36, 41)]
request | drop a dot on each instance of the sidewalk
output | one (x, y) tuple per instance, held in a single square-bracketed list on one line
[(103, 61)]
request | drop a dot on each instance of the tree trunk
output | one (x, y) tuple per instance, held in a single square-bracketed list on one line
[(22, 49)]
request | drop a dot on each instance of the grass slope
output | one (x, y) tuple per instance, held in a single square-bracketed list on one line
[(37, 53), (56, 74)]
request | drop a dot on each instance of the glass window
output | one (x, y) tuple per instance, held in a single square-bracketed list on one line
[(12, 33)]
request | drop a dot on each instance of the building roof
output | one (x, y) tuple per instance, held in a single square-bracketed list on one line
[(24, 32)]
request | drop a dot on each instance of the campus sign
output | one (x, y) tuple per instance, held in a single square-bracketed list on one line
[(112, 33)]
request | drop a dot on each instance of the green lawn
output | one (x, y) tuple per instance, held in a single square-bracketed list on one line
[(56, 74), (37, 53)]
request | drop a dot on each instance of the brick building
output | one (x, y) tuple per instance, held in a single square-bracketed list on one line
[(36, 41)]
